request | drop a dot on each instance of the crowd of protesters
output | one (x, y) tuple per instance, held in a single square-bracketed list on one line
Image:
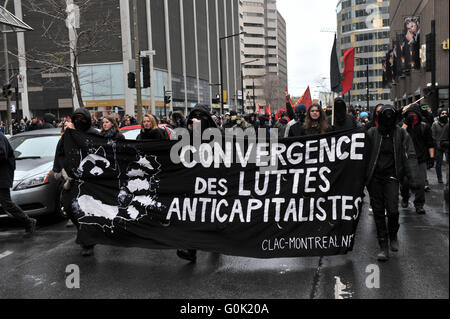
[(404, 145)]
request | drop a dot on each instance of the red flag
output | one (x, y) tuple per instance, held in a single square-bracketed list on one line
[(268, 110), (305, 99), (278, 115), (349, 61), (259, 107)]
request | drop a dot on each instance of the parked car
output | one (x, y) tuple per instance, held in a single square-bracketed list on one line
[(132, 132), (35, 188)]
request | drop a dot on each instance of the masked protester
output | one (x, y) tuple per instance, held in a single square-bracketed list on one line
[(392, 158), (81, 121), (199, 120), (281, 125), (296, 127), (437, 129), (422, 138), (342, 120), (374, 121), (7, 168)]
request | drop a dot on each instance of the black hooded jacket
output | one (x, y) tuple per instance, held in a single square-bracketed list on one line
[(406, 164), (204, 109), (7, 163), (420, 134), (58, 163), (342, 120)]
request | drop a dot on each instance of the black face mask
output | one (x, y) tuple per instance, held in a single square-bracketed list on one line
[(301, 117), (340, 112), (443, 119), (81, 125), (387, 121)]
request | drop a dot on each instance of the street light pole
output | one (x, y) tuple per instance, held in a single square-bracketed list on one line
[(368, 95), (138, 62), (242, 82), (221, 67), (254, 98)]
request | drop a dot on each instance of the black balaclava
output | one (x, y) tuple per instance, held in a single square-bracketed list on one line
[(443, 119), (340, 111), (82, 120), (387, 120)]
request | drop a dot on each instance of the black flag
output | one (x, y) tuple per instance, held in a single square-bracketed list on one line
[(335, 77)]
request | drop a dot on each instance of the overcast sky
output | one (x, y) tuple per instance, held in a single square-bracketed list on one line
[(309, 49)]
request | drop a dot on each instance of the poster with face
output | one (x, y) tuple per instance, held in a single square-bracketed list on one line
[(411, 43), (389, 69)]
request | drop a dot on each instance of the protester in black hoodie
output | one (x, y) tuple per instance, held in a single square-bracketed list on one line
[(422, 138), (81, 120), (392, 158), (199, 119), (342, 120)]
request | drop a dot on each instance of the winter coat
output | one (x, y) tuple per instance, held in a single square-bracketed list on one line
[(7, 163), (443, 141), (437, 130), (281, 126), (58, 163), (115, 136), (406, 164), (153, 135)]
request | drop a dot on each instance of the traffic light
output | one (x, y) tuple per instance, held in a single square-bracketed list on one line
[(131, 80), (431, 52), (167, 99), (7, 91), (146, 71)]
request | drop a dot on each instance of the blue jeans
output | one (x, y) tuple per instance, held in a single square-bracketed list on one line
[(439, 160)]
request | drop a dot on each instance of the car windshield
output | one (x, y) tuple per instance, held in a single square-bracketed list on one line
[(131, 135), (34, 146)]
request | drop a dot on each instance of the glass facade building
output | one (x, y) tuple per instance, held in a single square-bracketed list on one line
[(364, 25)]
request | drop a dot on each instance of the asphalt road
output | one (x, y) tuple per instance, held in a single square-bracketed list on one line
[(36, 268)]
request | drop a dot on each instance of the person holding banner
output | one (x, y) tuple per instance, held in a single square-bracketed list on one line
[(342, 121), (199, 119), (316, 121), (110, 128), (150, 130), (392, 158), (296, 126)]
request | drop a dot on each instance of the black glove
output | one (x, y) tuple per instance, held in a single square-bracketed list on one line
[(430, 163)]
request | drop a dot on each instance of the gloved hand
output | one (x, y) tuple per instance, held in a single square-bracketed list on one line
[(430, 163)]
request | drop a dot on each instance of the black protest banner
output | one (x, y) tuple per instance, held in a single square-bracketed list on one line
[(299, 197)]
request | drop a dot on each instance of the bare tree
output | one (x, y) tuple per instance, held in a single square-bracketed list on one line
[(274, 93), (92, 35)]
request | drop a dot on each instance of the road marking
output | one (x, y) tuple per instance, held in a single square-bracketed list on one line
[(6, 254), (340, 290)]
